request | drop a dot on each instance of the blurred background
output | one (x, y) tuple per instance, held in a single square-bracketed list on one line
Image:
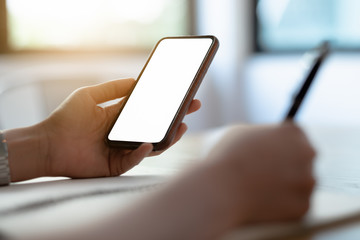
[(50, 48)]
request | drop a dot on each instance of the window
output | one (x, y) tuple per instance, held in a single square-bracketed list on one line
[(93, 24), (284, 25)]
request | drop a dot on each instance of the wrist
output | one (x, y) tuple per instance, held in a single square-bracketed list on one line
[(27, 152), (228, 190), (212, 197)]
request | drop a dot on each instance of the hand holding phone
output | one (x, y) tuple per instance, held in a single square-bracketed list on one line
[(163, 92)]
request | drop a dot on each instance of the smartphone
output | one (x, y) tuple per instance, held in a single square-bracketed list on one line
[(162, 94)]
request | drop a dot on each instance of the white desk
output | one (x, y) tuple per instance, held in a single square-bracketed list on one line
[(60, 204)]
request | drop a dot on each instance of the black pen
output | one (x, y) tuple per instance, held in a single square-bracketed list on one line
[(319, 54)]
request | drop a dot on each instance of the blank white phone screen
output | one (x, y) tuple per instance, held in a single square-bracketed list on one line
[(160, 90)]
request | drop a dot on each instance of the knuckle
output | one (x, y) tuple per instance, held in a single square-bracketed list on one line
[(300, 208), (312, 152), (308, 154), (81, 90), (309, 184), (303, 207)]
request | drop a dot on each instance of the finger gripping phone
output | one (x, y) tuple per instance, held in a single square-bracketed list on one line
[(162, 94)]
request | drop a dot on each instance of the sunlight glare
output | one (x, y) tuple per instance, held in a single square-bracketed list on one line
[(69, 23)]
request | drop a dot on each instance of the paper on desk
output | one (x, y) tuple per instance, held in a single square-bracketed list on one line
[(43, 192), (327, 209), (50, 207)]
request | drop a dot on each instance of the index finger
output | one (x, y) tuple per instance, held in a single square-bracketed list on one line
[(111, 90), (194, 106)]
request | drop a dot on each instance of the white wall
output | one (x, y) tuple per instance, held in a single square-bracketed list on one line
[(333, 99), (221, 92)]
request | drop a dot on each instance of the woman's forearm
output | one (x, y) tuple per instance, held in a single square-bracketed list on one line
[(27, 149), (187, 208)]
